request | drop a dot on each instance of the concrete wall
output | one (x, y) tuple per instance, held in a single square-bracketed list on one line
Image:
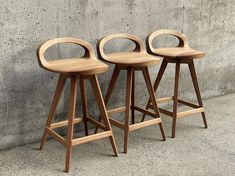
[(26, 90)]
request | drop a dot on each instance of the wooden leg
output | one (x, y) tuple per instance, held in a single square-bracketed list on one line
[(113, 80), (57, 95), (103, 111), (84, 104), (176, 88), (128, 107), (197, 90), (157, 82), (153, 98), (133, 99), (71, 116)]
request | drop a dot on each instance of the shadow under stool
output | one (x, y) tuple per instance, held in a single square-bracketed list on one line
[(136, 60), (75, 69), (182, 54)]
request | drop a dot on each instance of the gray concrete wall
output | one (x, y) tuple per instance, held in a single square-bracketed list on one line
[(26, 90)]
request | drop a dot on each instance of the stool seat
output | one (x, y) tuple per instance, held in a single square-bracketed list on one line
[(77, 65), (132, 58), (179, 53)]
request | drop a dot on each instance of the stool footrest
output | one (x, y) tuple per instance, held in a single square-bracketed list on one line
[(145, 111), (64, 123), (96, 123), (144, 124), (137, 125), (165, 99), (116, 110), (189, 112), (196, 108), (92, 137), (56, 136)]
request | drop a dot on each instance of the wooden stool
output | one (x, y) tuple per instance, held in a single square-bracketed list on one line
[(132, 61), (82, 68), (182, 54)]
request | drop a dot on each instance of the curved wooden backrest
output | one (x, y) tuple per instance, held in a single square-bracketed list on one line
[(139, 44), (89, 52), (183, 42)]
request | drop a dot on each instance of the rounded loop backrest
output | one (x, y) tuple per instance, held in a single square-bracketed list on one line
[(183, 42), (139, 44), (89, 52)]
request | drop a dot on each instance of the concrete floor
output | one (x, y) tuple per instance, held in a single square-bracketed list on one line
[(194, 151)]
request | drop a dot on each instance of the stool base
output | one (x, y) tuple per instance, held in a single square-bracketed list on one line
[(69, 142), (176, 115), (130, 107)]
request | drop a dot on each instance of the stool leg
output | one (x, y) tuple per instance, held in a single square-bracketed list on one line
[(57, 95), (197, 90), (103, 111), (84, 104), (71, 116), (157, 82), (128, 107), (153, 98), (176, 89), (113, 80), (133, 99)]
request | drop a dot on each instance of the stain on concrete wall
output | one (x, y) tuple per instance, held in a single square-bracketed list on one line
[(26, 90)]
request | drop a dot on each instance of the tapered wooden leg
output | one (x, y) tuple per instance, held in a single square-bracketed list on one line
[(103, 111), (153, 98), (197, 90), (128, 107), (133, 99), (176, 88), (113, 80), (84, 104), (71, 116), (57, 95), (157, 82)]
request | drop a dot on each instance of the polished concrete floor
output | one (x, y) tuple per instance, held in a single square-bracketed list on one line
[(194, 151)]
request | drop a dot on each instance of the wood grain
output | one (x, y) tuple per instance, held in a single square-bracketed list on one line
[(137, 57), (85, 65), (183, 51)]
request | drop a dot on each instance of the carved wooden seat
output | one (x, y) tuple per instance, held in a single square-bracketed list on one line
[(137, 57), (86, 65), (179, 53)]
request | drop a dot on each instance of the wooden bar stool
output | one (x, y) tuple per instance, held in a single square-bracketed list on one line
[(182, 54), (82, 68), (136, 60)]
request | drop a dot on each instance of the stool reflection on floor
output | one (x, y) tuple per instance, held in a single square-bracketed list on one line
[(182, 54), (136, 60), (75, 69)]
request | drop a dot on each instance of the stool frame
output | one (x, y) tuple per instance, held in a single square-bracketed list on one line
[(197, 108), (130, 106)]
